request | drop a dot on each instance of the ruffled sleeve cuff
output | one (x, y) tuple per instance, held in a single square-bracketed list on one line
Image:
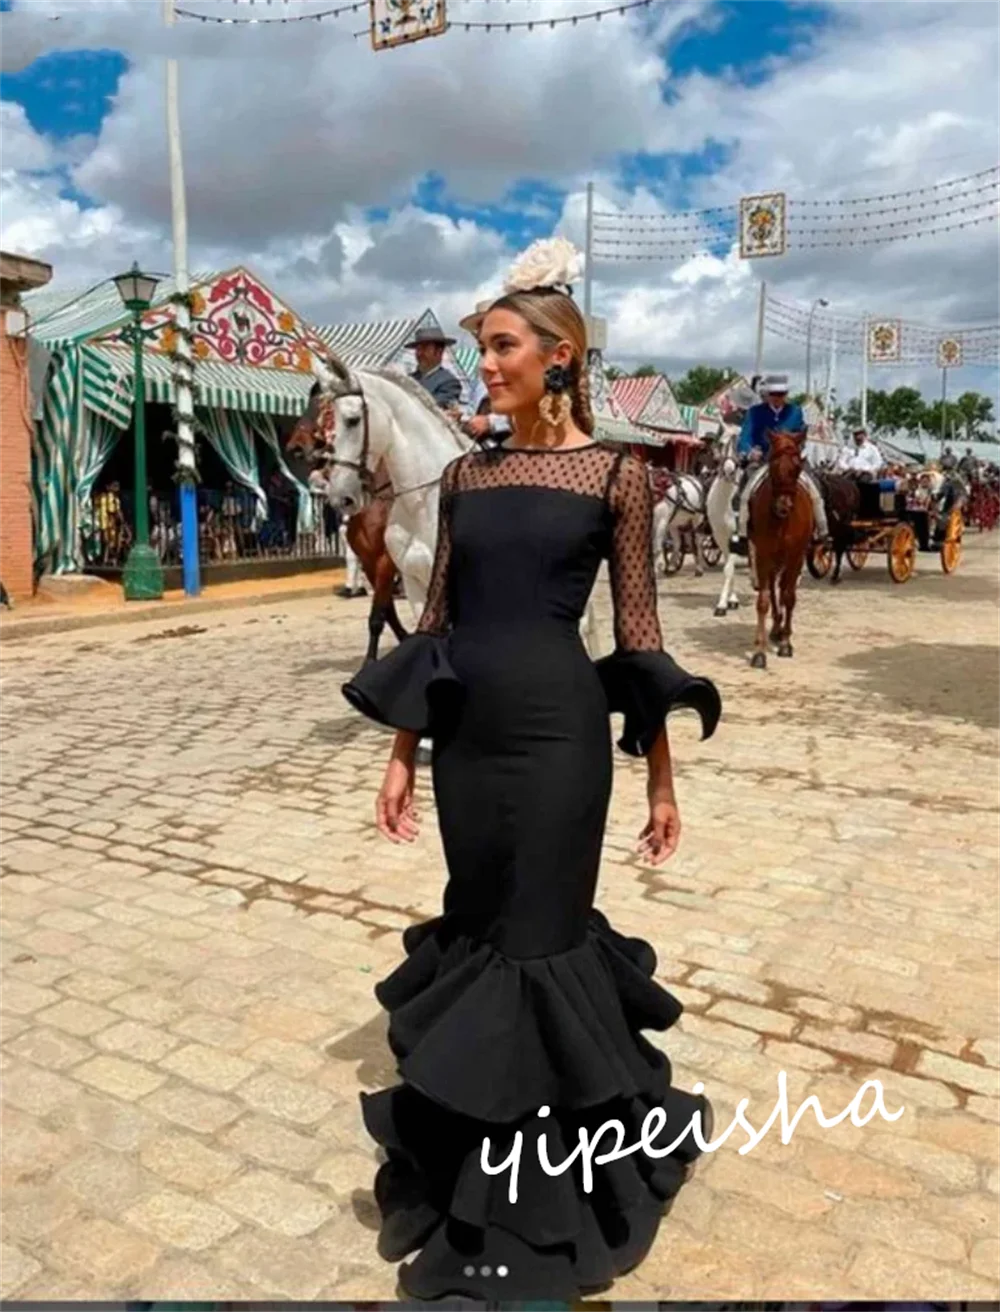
[(645, 686), (413, 687)]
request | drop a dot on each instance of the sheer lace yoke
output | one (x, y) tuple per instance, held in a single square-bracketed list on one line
[(611, 476)]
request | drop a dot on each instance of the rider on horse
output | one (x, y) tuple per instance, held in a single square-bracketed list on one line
[(775, 413)]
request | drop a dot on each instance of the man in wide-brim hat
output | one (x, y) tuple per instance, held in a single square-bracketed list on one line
[(775, 413), (429, 344)]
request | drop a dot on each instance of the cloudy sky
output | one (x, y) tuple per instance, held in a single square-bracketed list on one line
[(365, 185)]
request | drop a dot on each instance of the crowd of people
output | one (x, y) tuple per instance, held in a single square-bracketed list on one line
[(233, 523)]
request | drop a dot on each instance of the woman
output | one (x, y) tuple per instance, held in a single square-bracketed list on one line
[(521, 997)]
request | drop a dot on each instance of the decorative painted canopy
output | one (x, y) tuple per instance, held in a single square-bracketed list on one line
[(235, 319)]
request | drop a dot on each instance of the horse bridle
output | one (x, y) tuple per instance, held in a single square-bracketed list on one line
[(360, 467)]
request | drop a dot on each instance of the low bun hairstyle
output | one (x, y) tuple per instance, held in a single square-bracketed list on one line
[(555, 318)]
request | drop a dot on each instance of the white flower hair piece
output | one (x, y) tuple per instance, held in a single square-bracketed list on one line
[(552, 262)]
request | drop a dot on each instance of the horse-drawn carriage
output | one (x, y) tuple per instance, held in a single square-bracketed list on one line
[(897, 519)]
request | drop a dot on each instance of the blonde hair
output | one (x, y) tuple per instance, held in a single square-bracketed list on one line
[(554, 317)]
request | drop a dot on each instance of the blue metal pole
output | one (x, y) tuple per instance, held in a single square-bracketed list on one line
[(190, 564)]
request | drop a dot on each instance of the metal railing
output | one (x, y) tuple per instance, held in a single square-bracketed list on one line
[(231, 527)]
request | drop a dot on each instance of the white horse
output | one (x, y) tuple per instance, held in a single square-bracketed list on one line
[(722, 522), (382, 415), (681, 510)]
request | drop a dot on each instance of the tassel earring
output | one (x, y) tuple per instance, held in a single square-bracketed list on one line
[(556, 406)]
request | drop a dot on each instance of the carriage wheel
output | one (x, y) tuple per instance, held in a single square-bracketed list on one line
[(951, 546), (902, 554), (857, 557), (819, 560), (672, 560), (711, 552)]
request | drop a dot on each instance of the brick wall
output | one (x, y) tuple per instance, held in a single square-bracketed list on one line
[(15, 466)]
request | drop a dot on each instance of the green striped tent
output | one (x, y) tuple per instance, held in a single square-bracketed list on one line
[(87, 400)]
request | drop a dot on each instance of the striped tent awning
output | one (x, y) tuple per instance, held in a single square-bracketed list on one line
[(609, 429), (63, 318), (363, 344), (467, 359), (380, 343), (221, 386)]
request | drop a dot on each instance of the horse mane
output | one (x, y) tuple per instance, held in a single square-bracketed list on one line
[(417, 393)]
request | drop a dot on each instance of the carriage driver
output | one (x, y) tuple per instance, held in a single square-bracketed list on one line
[(777, 413)]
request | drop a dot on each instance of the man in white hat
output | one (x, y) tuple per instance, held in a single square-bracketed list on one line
[(775, 414), (429, 345)]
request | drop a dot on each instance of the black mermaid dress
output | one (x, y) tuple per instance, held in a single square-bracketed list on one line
[(521, 996)]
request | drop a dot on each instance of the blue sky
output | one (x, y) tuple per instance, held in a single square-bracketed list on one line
[(66, 94), (742, 95)]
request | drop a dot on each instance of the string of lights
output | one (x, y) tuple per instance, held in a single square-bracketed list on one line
[(794, 233), (897, 195), (609, 250), (869, 207), (317, 16), (909, 208), (919, 354), (693, 242), (895, 236), (804, 310), (680, 216), (919, 342), (456, 24), (571, 20)]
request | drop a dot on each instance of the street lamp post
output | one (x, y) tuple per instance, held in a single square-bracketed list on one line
[(809, 335), (142, 577)]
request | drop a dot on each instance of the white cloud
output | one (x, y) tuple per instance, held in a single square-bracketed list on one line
[(290, 134), (22, 147)]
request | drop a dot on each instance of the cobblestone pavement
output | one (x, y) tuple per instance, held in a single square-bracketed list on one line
[(195, 908)]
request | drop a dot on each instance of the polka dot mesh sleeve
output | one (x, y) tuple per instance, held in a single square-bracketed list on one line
[(435, 617), (633, 581)]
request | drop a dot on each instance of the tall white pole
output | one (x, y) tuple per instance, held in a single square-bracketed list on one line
[(944, 406), (831, 371), (183, 364), (588, 275), (864, 372), (758, 359)]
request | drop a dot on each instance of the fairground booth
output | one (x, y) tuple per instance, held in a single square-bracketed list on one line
[(252, 377)]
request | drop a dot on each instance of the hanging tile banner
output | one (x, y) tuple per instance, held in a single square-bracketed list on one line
[(949, 353), (401, 22), (884, 341), (762, 225)]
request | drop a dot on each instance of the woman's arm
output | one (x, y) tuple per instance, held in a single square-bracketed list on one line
[(637, 628)]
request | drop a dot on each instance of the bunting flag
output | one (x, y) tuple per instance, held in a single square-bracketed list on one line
[(762, 225), (401, 22), (884, 339), (949, 353)]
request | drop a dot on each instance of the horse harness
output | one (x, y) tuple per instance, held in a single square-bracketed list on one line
[(360, 467)]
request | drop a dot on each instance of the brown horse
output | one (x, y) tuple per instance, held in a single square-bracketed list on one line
[(842, 498), (365, 530), (781, 528)]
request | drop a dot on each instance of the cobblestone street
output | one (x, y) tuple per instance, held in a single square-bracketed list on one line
[(196, 907)]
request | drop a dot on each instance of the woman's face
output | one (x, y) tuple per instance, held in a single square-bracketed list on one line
[(513, 362)]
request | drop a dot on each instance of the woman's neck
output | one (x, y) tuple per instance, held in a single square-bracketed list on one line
[(529, 430)]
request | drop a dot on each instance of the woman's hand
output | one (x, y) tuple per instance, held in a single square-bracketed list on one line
[(395, 813), (662, 831)]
